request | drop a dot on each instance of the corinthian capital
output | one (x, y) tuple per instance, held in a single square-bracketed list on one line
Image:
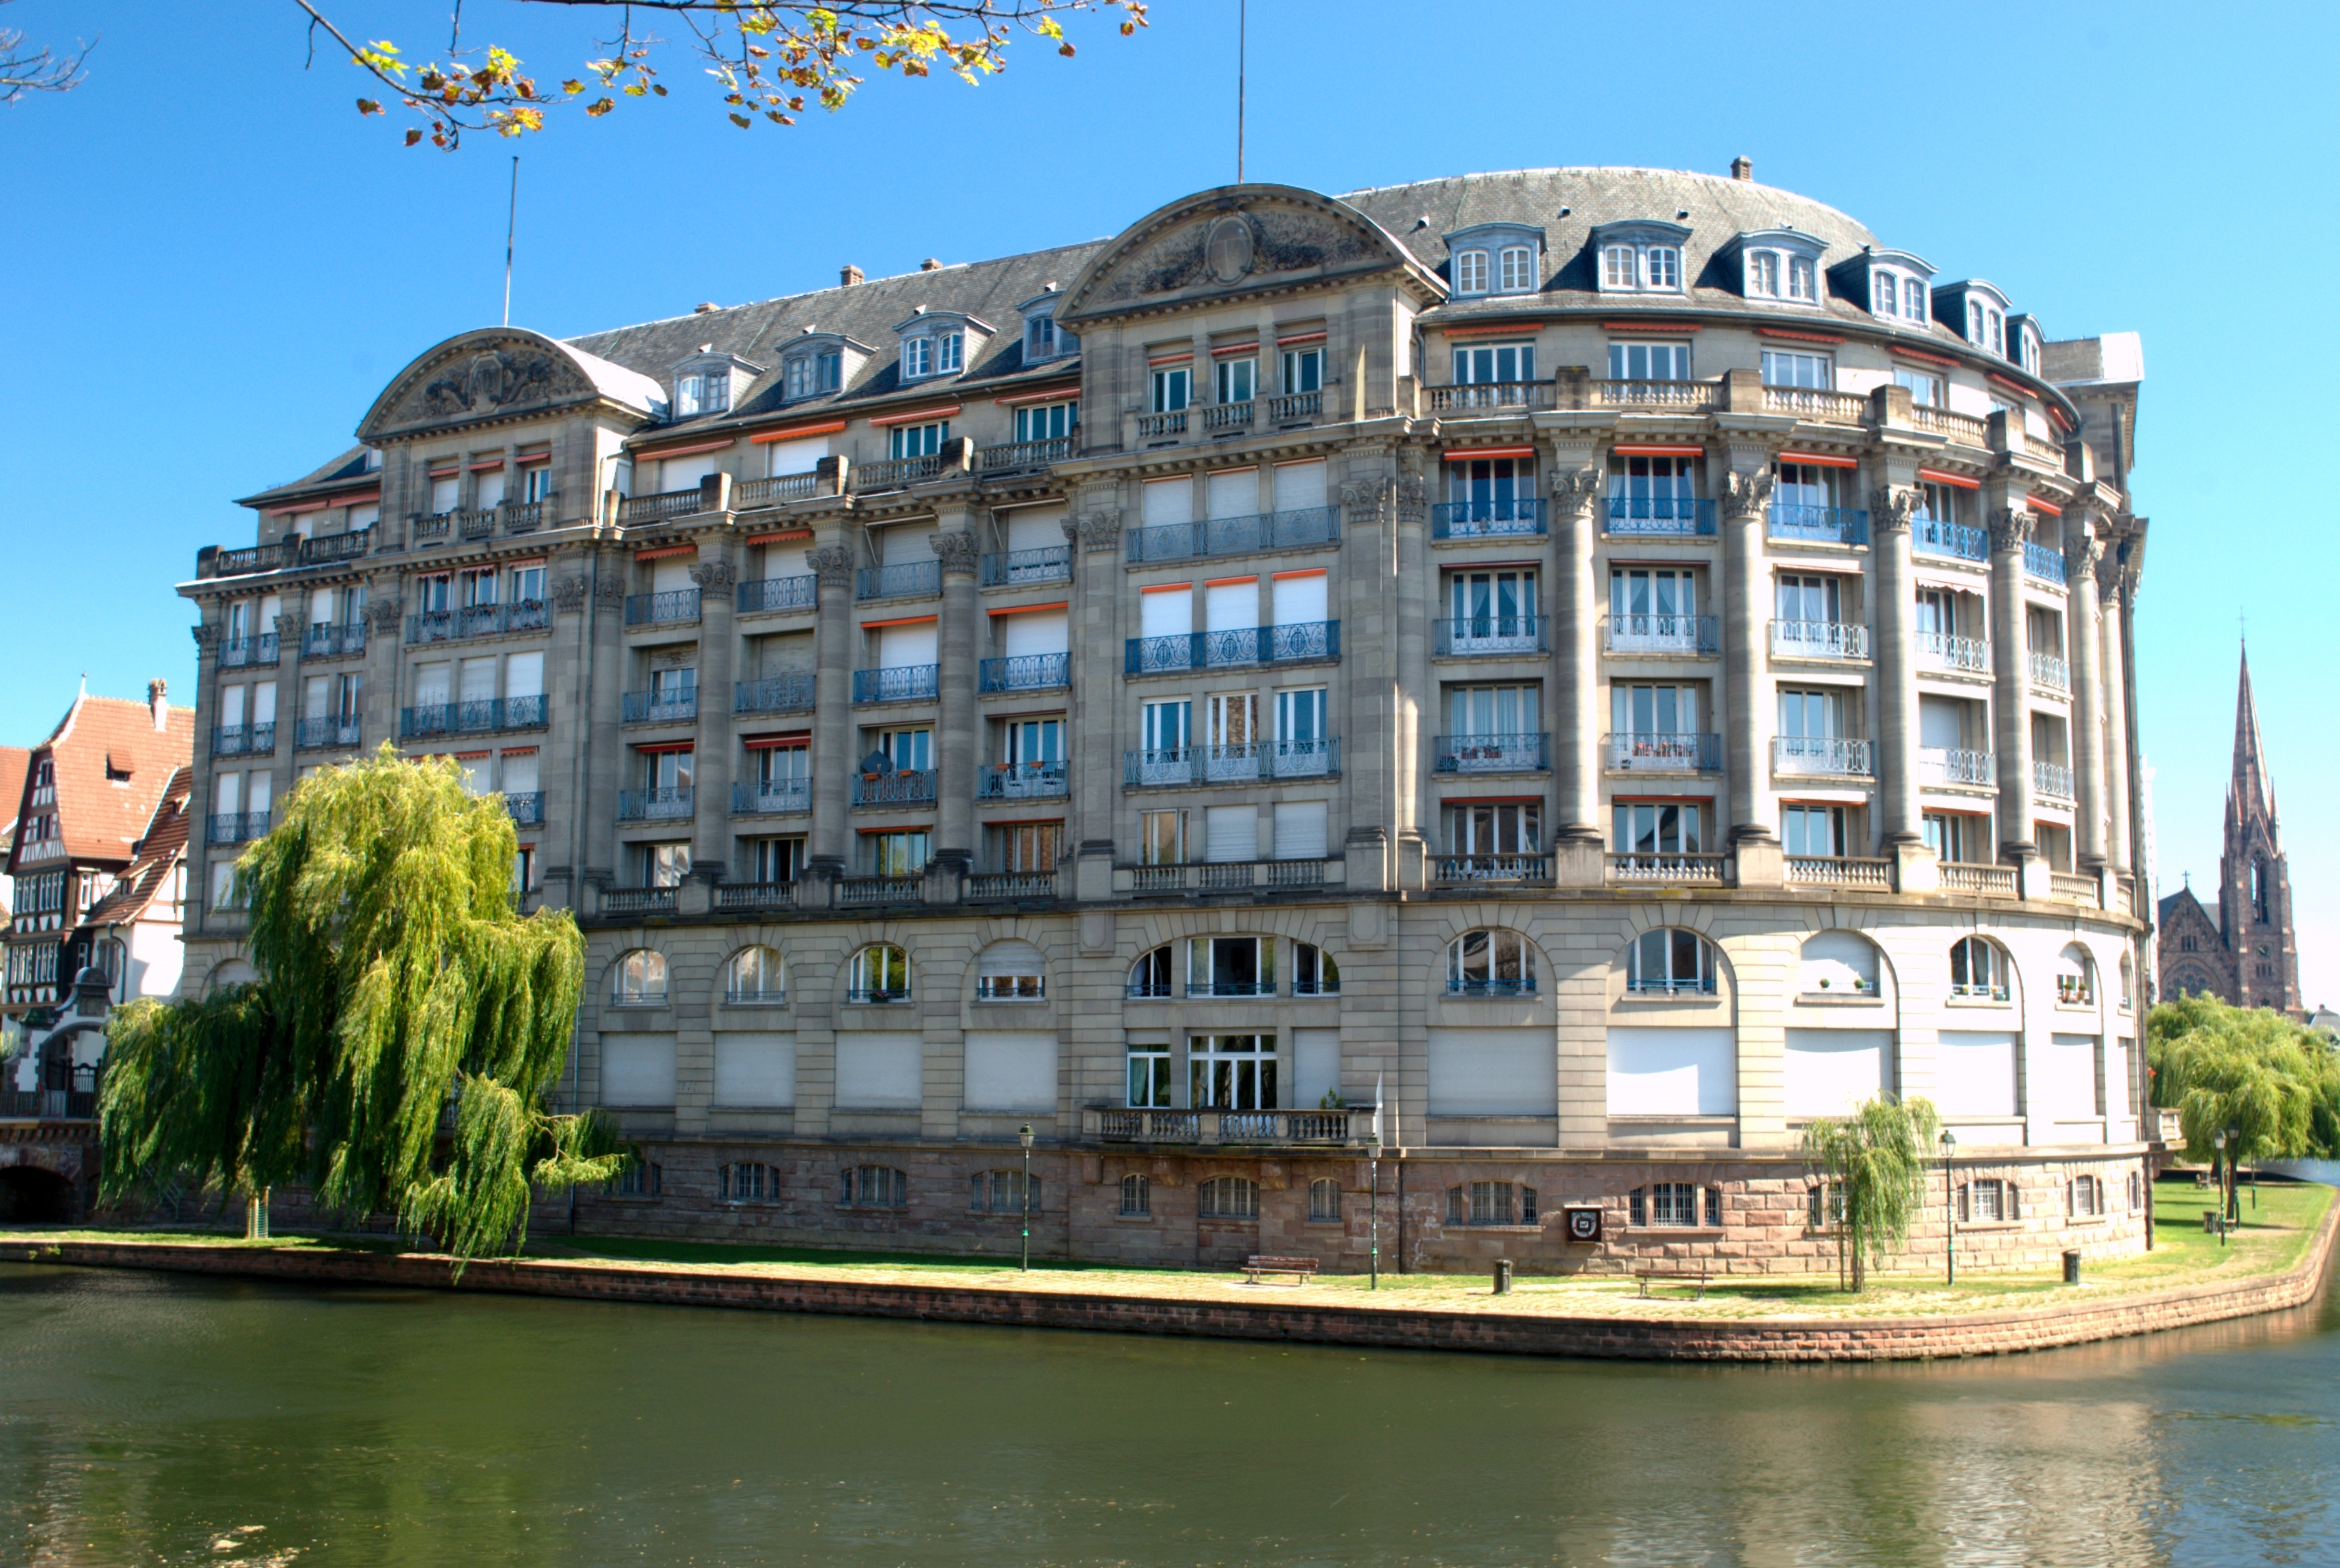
[(713, 576), (832, 564), (1095, 531), (383, 614), (1892, 507), (1366, 501), (1746, 494), (1575, 490), (2009, 528), (206, 634), (959, 550), (569, 594)]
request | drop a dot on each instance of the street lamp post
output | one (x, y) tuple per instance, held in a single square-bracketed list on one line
[(1373, 1209), (1024, 1137), (2218, 1142), (1949, 1210), (2235, 1175)]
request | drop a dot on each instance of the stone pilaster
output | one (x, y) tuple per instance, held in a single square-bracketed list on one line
[(1095, 721), (207, 634), (1577, 838), (1891, 511), (1745, 502), (2010, 526), (833, 759), (2112, 590), (1407, 519), (2083, 636), (607, 759), (958, 725), (385, 652), (715, 755)]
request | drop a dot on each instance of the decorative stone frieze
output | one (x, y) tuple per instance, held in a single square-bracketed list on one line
[(206, 634), (609, 592), (383, 615)]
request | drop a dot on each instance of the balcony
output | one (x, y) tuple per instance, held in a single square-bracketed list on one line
[(659, 707), (1522, 753), (897, 472), (251, 558), (1822, 756), (669, 803), (1682, 753), (325, 641), (1240, 763), (910, 579), (1290, 408), (674, 606), (672, 503), (771, 797), (244, 739), (1834, 640), (638, 900), (51, 1105), (860, 892), (2042, 562), (1692, 635), (334, 730), (1495, 870), (1504, 986), (527, 516), (1874, 876), (428, 528), (1951, 768), (2050, 672), (756, 896), (1818, 524), (1023, 782), (1050, 563), (801, 592), (1304, 528), (248, 650), (1155, 426), (1660, 868), (789, 693), (1661, 517), (1023, 456), (525, 809), (235, 827), (1491, 398), (777, 490), (1229, 877), (476, 523), (1956, 540), (991, 887), (481, 716), (1226, 418), (1820, 407), (1682, 397), (1349, 1127), (478, 621), (1305, 642), (1214, 989), (2080, 889), (1963, 428), (1025, 672), (1955, 655), (1989, 881), (2053, 780), (903, 787), (1488, 635), (897, 684), (1510, 519)]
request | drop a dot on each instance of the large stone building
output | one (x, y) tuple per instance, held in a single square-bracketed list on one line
[(2248, 957), (1558, 677)]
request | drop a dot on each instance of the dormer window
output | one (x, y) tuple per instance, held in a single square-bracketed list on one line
[(1515, 269), (809, 375), (1494, 259), (936, 345), (1641, 257), (704, 393), (1470, 272), (1779, 264), (2023, 337), (918, 357), (1043, 338)]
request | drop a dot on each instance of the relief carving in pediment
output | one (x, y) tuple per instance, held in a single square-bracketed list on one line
[(487, 379), (1228, 250)]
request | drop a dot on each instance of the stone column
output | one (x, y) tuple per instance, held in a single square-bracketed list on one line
[(958, 739), (833, 759), (1577, 841), (1891, 511), (1418, 716), (607, 759), (2011, 685), (199, 801), (1094, 715), (385, 637), (1367, 695), (2111, 585), (1745, 501), (569, 691), (289, 698), (2084, 637), (714, 755)]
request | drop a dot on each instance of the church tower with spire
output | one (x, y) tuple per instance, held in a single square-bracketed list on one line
[(2251, 957)]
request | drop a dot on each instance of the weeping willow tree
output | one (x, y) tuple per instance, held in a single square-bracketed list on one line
[(397, 1050), (1874, 1161)]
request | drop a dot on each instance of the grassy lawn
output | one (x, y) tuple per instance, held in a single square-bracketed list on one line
[(2273, 1236)]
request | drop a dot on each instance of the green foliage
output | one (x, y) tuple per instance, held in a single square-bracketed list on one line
[(1875, 1159), (396, 984), (2273, 1081)]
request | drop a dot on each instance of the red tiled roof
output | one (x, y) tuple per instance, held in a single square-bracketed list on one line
[(157, 852), (111, 768), (15, 761)]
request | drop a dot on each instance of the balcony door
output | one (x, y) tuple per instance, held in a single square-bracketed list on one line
[(1810, 601), (1652, 610), (1659, 489), (1231, 1071), (1492, 605), (1665, 712), (1658, 827), (1231, 721), (1031, 742), (1491, 487), (1488, 828), (1494, 711)]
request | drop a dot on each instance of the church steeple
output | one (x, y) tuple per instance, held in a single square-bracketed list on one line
[(2255, 882), (2248, 794)]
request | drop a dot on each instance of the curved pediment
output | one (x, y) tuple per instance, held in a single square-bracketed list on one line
[(494, 374), (1233, 240)]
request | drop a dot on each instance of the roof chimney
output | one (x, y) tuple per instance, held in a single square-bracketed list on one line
[(707, 308), (154, 689), (1742, 168), (848, 275), (930, 265)]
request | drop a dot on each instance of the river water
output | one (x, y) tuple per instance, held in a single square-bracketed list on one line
[(145, 1417)]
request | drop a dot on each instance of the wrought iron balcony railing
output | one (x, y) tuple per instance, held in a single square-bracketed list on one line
[(1652, 633), (903, 787), (1520, 753), (1957, 541), (1306, 643), (1938, 765), (1487, 519), (1941, 651), (1488, 636), (327, 733), (235, 827), (771, 797), (661, 609), (1837, 756), (1303, 529), (325, 641), (2049, 671), (1050, 563), (527, 808), (663, 707), (896, 683), (1023, 782), (1661, 516), (800, 592), (2053, 779), (2041, 561), (909, 580), (1818, 524), (1818, 640), (789, 693), (668, 803), (244, 739), (478, 621), (1240, 763), (479, 715), (1684, 751), (1025, 672)]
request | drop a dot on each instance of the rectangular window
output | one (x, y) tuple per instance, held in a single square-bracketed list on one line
[(1955, 837), (1162, 838), (828, 370), (1806, 602), (1304, 370), (1803, 283), (1172, 388), (1763, 273), (950, 351), (1048, 422), (917, 440), (1149, 1076), (1493, 711), (1470, 272), (778, 859), (1231, 1071), (908, 750), (898, 854), (799, 377), (1039, 338), (1659, 826), (1515, 269), (1238, 378), (1495, 828), (1816, 830), (1664, 267), (917, 356), (1811, 714), (1925, 390), (527, 585), (1231, 966), (1884, 294), (1656, 710), (1913, 300), (1168, 727), (1493, 363), (1617, 268), (1648, 362), (1030, 847), (1782, 368), (1673, 1203), (665, 864)]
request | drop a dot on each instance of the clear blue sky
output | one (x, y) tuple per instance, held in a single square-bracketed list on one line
[(204, 296)]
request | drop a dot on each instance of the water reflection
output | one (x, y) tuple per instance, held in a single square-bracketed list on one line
[(146, 1416)]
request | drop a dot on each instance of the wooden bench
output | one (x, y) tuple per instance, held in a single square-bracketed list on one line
[(1300, 1269), (1673, 1276)]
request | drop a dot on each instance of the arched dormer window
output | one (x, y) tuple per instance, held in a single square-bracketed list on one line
[(1043, 338), (1781, 264), (1495, 259), (1491, 963), (755, 975), (1671, 962), (943, 343), (1979, 970), (1643, 257), (880, 973), (2076, 977), (638, 980)]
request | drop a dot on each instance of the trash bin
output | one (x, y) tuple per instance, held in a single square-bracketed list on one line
[(2210, 1222), (1503, 1276), (2071, 1268)]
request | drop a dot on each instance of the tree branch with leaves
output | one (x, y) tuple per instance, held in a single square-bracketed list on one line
[(766, 61), (27, 67)]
